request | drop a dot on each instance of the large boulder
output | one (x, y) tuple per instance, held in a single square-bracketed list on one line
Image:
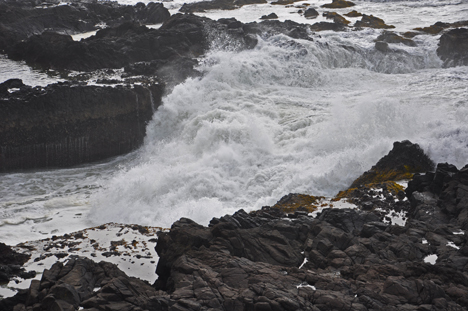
[(453, 47), (68, 124)]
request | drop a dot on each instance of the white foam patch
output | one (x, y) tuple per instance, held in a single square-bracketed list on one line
[(451, 244), (303, 263), (305, 285), (84, 35), (430, 259)]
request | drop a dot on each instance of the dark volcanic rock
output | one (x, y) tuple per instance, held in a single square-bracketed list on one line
[(65, 124), (181, 36), (447, 188), (269, 16), (203, 6), (337, 4), (391, 37), (20, 20), (311, 13), (10, 264), (401, 162), (372, 22), (84, 284), (327, 26), (453, 47)]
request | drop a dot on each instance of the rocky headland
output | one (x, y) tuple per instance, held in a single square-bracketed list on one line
[(285, 258)]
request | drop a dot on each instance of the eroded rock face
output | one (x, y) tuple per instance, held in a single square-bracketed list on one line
[(453, 47), (66, 124)]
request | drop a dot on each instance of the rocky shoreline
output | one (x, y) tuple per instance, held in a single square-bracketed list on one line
[(375, 246), (340, 259)]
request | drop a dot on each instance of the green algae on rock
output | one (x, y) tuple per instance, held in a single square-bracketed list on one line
[(400, 163)]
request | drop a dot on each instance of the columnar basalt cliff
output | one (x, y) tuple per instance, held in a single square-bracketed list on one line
[(67, 124)]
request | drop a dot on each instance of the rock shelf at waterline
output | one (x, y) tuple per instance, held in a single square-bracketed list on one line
[(333, 259)]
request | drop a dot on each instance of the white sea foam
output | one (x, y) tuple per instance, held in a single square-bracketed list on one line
[(284, 117)]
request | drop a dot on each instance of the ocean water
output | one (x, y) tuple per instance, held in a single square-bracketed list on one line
[(286, 116)]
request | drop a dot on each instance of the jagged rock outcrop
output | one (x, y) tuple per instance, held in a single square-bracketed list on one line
[(66, 124), (453, 47), (401, 162), (10, 264), (86, 285)]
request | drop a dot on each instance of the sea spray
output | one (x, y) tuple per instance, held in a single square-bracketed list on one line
[(287, 116)]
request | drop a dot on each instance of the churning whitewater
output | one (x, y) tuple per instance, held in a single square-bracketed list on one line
[(288, 116)]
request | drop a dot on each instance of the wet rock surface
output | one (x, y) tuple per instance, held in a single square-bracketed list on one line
[(343, 259), (453, 47), (10, 264)]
